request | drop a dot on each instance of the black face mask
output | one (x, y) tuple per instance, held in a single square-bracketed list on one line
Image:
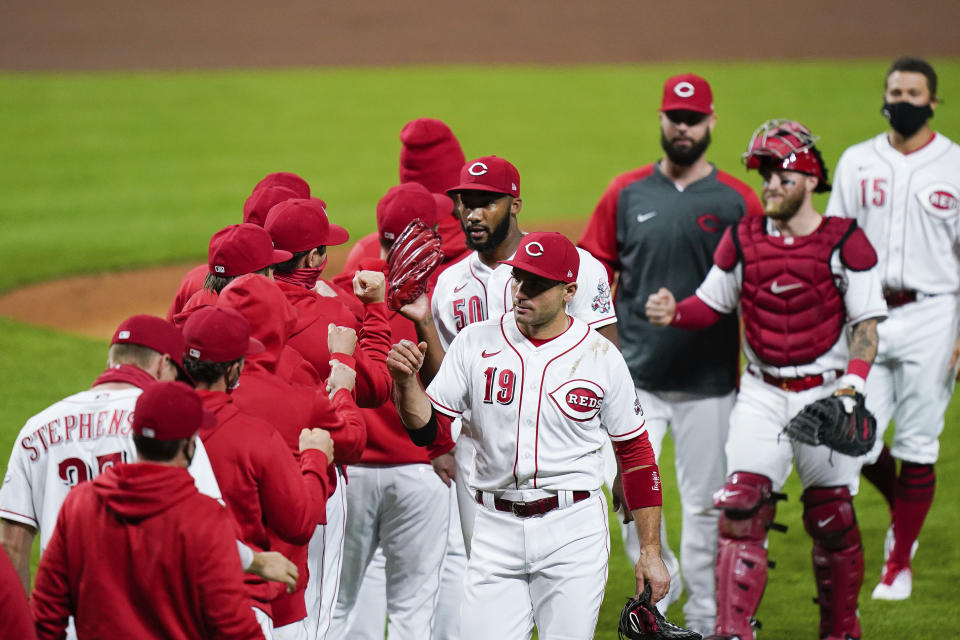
[(906, 118)]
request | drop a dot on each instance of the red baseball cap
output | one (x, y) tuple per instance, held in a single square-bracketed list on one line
[(407, 202), (242, 248), (153, 333), (430, 155), (548, 254), (258, 205), (170, 411), (301, 224), (687, 92), (219, 334), (489, 173), (286, 179)]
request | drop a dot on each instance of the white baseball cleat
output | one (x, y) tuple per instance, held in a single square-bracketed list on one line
[(897, 583), (888, 545)]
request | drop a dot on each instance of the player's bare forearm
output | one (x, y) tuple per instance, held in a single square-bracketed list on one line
[(17, 540), (412, 404), (864, 340), (433, 358), (650, 567)]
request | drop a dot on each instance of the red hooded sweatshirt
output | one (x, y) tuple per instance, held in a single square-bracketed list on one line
[(140, 553), (191, 283), (309, 337), (268, 494), (288, 407)]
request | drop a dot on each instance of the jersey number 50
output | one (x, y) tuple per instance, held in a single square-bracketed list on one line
[(474, 308)]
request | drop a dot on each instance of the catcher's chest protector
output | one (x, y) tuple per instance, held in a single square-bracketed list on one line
[(792, 309)]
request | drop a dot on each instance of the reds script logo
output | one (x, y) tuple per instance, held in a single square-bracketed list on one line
[(579, 400)]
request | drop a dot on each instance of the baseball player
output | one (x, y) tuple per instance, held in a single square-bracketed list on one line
[(301, 227), (477, 288), (274, 188), (138, 552), (235, 250), (903, 187), (81, 436), (268, 493), (659, 226), (806, 286), (264, 393), (393, 490), (539, 393)]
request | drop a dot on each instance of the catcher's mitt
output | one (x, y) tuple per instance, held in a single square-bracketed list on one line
[(640, 620), (841, 422), (412, 258)]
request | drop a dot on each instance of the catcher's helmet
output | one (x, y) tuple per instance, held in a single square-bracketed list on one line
[(788, 145)]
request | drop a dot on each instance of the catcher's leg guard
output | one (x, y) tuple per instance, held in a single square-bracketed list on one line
[(747, 504), (829, 518)]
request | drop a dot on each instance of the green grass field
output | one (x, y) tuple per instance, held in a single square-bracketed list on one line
[(114, 171)]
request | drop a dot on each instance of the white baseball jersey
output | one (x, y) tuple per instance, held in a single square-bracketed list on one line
[(71, 442), (909, 207), (862, 300), (469, 291), (538, 415)]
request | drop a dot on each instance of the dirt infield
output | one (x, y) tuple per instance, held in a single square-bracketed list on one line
[(112, 34), (94, 305)]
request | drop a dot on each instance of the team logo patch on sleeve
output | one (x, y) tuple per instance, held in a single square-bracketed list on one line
[(601, 302), (579, 400), (637, 407)]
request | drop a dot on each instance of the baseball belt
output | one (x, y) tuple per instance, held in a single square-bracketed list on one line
[(898, 298), (799, 384), (533, 508)]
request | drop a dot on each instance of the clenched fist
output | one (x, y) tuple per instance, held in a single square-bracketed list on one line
[(341, 377), (370, 286), (341, 339), (661, 307), (405, 359), (318, 439)]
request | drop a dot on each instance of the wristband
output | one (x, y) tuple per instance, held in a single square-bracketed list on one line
[(859, 367), (642, 488)]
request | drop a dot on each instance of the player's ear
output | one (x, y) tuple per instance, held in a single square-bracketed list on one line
[(516, 205), (712, 121), (569, 291)]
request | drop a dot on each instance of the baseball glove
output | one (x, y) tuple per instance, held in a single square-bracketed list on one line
[(841, 422), (640, 620), (412, 258)]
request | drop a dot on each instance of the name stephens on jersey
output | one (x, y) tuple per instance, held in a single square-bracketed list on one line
[(78, 427)]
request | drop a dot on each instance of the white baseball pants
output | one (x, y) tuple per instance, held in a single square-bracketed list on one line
[(911, 380), (388, 507), (549, 571)]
